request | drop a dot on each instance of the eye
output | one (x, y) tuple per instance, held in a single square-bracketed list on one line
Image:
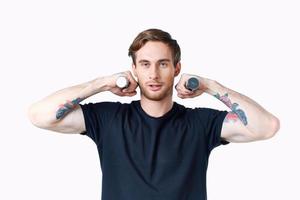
[(145, 64), (163, 64)]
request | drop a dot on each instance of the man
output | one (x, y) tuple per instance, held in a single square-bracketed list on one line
[(154, 148)]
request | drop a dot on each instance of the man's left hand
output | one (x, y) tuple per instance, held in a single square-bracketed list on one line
[(183, 92)]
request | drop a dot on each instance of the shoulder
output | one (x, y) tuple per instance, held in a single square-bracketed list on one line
[(202, 111), (102, 107), (204, 114), (102, 104), (208, 112), (190, 113)]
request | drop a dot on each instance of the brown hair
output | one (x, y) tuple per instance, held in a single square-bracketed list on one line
[(155, 35)]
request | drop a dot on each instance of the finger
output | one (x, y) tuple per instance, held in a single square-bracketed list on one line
[(133, 86), (130, 93), (182, 88), (176, 86), (131, 78), (184, 91), (194, 94), (128, 90), (182, 96), (180, 84), (179, 95), (189, 92), (121, 94)]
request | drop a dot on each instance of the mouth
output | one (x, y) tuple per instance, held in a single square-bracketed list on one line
[(154, 87)]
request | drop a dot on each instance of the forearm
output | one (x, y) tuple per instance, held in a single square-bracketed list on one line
[(253, 116), (55, 106)]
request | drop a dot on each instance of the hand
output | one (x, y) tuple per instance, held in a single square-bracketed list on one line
[(183, 92), (129, 91)]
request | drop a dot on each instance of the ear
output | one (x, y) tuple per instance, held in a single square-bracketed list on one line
[(134, 69), (177, 68)]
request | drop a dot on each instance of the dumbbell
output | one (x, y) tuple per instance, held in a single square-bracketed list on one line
[(192, 84), (122, 82)]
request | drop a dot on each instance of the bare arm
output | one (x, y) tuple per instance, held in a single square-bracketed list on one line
[(61, 111), (247, 121)]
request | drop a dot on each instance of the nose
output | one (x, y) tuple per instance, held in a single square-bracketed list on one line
[(153, 74)]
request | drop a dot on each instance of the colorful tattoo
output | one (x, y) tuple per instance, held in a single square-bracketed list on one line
[(233, 106), (67, 107), (231, 117)]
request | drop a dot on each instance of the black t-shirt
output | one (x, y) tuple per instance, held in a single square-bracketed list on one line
[(153, 158)]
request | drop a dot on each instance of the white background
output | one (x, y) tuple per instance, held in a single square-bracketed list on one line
[(252, 47)]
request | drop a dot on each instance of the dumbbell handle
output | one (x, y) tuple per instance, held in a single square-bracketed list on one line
[(192, 84), (122, 82)]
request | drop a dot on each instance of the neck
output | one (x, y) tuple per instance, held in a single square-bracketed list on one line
[(156, 108)]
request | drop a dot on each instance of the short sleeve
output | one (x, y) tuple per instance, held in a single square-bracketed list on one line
[(97, 117), (212, 121)]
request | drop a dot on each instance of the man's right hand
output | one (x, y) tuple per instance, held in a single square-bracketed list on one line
[(129, 91)]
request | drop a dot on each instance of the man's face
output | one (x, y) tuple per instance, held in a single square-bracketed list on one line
[(155, 70)]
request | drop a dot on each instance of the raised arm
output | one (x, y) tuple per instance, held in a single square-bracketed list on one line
[(61, 111), (247, 121)]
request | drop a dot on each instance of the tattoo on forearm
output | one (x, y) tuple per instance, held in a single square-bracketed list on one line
[(236, 112), (67, 107)]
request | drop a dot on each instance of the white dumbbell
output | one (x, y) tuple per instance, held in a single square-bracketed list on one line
[(122, 82)]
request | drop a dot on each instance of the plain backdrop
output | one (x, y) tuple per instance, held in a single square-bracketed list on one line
[(252, 47)]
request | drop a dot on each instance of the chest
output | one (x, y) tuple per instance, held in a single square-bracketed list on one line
[(146, 142)]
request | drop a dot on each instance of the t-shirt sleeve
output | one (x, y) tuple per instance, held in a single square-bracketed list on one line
[(97, 118), (212, 120)]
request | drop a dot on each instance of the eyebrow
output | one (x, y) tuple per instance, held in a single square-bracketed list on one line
[(164, 60), (141, 61), (160, 60)]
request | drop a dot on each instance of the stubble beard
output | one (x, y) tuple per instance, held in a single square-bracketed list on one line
[(158, 95)]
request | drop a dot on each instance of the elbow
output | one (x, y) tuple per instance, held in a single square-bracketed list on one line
[(36, 118), (33, 116), (273, 128)]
